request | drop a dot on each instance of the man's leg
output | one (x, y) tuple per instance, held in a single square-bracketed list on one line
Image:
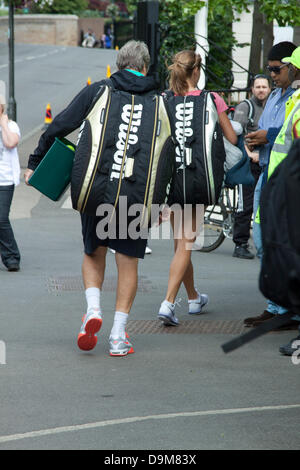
[(127, 282), (242, 222), (93, 269), (126, 291), (242, 219), (256, 227)]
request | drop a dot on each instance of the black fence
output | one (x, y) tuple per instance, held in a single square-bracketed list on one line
[(145, 27), (123, 32)]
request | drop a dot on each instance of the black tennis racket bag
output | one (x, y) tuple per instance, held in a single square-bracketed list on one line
[(200, 153), (125, 148)]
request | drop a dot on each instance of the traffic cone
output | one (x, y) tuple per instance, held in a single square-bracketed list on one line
[(48, 117), (108, 71), (88, 81)]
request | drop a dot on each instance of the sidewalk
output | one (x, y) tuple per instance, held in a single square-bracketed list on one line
[(179, 389)]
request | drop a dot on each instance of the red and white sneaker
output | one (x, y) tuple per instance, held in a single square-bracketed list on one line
[(120, 346), (92, 323)]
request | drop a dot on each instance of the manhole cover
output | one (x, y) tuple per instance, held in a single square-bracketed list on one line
[(233, 327), (75, 283)]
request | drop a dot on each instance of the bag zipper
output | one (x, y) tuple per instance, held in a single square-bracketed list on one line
[(151, 160), (204, 150), (85, 200)]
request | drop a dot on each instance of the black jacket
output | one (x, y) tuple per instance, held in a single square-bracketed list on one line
[(72, 117)]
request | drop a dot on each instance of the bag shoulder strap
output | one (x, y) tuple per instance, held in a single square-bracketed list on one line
[(251, 111)]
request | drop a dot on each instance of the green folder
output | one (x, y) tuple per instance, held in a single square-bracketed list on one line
[(53, 175)]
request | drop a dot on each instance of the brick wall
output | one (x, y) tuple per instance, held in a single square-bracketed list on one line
[(49, 29)]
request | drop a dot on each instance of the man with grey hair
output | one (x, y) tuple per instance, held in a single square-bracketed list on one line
[(133, 62), (133, 55)]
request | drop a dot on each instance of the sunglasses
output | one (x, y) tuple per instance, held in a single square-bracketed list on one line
[(276, 69), (260, 75)]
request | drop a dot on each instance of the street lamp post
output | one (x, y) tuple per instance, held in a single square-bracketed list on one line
[(12, 107), (147, 30), (201, 33)]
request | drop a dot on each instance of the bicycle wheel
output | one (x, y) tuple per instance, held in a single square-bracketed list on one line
[(212, 236)]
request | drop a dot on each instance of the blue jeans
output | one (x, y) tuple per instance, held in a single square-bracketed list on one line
[(256, 227), (271, 306), (9, 250)]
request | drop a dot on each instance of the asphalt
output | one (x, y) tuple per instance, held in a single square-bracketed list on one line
[(178, 391)]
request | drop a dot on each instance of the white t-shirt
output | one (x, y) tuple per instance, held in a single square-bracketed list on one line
[(9, 160)]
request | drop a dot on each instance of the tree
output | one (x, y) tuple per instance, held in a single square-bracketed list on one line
[(63, 7), (112, 10), (285, 12), (177, 26)]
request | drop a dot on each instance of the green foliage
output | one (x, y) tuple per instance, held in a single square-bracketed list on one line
[(131, 6), (112, 10), (177, 27), (286, 12), (63, 7)]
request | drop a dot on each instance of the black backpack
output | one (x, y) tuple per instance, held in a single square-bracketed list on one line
[(280, 224), (125, 148), (231, 111), (200, 153)]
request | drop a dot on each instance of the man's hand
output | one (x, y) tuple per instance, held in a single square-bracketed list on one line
[(256, 138), (253, 155), (27, 175)]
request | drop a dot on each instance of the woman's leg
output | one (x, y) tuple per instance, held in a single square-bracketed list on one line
[(181, 269), (10, 253)]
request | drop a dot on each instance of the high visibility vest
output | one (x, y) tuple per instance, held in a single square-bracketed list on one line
[(296, 129), (285, 138)]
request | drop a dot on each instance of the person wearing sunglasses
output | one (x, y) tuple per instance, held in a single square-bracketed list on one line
[(269, 125), (273, 115), (289, 132)]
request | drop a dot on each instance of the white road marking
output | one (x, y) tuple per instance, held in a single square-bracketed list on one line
[(137, 419), (39, 56), (38, 128)]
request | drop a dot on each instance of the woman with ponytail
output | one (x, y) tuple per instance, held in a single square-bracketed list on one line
[(184, 77)]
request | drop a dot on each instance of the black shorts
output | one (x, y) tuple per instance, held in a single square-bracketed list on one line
[(129, 247)]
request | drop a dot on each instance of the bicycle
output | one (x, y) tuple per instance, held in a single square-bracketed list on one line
[(218, 221)]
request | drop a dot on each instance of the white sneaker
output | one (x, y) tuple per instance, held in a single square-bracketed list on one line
[(196, 305), (166, 313), (120, 346), (91, 324)]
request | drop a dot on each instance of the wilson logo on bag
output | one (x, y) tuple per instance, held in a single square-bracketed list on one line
[(200, 153), (125, 148)]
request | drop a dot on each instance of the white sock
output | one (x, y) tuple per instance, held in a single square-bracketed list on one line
[(119, 326), (92, 295)]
